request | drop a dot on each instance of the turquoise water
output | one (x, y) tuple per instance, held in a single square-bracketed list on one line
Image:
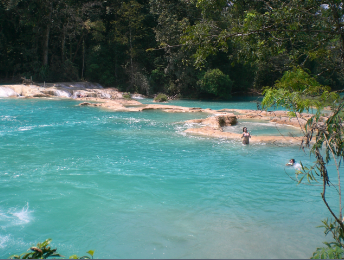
[(133, 185), (262, 127), (237, 103)]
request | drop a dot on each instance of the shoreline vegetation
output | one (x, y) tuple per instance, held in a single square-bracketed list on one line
[(90, 94)]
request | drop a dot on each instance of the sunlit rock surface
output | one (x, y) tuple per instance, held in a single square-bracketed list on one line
[(7, 92), (216, 121), (94, 95), (218, 133), (63, 90)]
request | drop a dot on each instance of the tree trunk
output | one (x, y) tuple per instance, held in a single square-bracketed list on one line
[(338, 19), (83, 59), (70, 49), (63, 43), (78, 46), (116, 66), (46, 40), (131, 60)]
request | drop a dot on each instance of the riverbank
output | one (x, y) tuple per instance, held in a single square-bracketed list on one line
[(90, 94)]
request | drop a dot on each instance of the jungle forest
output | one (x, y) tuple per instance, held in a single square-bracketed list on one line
[(196, 49)]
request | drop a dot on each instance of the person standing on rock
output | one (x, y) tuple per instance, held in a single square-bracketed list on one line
[(245, 136)]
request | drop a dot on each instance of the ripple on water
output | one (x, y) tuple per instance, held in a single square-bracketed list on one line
[(132, 185)]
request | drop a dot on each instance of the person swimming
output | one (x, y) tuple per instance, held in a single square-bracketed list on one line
[(296, 165), (291, 162), (245, 136)]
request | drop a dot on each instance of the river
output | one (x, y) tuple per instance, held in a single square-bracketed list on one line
[(134, 185)]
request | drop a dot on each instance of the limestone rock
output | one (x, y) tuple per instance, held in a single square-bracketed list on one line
[(217, 133), (227, 120), (41, 95), (85, 104), (216, 122)]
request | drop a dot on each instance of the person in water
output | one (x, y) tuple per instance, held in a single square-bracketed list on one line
[(245, 136), (291, 162), (294, 164)]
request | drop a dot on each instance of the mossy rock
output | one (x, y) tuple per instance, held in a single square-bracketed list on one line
[(161, 98), (126, 95)]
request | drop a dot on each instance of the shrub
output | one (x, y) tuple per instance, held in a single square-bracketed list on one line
[(216, 83), (42, 251), (126, 95), (161, 98)]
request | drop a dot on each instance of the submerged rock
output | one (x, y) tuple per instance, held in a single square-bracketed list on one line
[(41, 95), (85, 104)]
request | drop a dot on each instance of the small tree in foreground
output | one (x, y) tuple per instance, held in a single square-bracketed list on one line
[(298, 92), (43, 251)]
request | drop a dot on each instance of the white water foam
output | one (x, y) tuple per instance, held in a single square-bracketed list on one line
[(23, 216), (16, 217), (105, 95), (62, 93), (7, 92), (25, 128), (135, 96), (3, 241)]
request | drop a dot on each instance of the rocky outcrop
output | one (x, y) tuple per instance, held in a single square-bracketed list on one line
[(297, 122), (62, 90), (21, 90), (217, 133), (216, 122)]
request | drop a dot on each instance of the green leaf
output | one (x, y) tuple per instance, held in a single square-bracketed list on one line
[(46, 242), (91, 252)]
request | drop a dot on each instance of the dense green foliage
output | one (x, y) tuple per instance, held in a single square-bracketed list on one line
[(272, 36), (216, 83), (161, 98), (297, 91), (152, 46)]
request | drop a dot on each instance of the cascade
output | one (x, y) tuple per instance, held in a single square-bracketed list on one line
[(62, 93), (7, 92)]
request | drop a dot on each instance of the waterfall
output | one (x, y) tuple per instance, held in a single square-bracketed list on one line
[(83, 85), (7, 92), (62, 93), (105, 95), (137, 96)]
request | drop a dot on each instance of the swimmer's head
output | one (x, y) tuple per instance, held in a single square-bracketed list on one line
[(245, 128), (292, 160)]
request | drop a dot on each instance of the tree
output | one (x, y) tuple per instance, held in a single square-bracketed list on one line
[(297, 91), (174, 74), (305, 33), (129, 29), (216, 83), (43, 251)]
